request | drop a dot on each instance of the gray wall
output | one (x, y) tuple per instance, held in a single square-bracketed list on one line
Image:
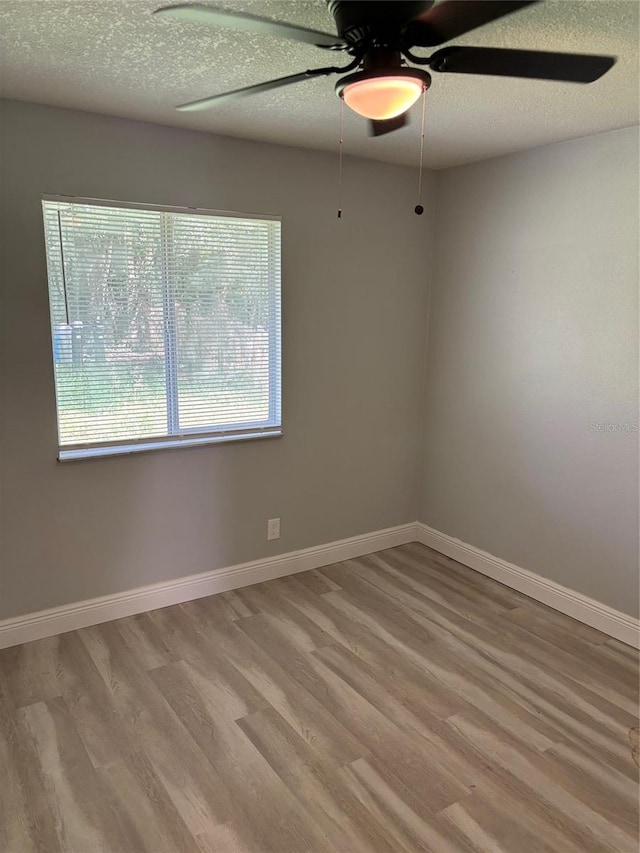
[(533, 342), (354, 294), (532, 339)]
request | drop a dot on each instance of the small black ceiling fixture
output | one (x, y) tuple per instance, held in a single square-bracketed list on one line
[(380, 36)]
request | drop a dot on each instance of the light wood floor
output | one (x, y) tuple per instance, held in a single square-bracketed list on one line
[(398, 702)]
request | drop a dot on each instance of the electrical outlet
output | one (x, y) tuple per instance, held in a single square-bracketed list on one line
[(273, 528)]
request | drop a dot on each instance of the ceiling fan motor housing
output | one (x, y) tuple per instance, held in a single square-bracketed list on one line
[(359, 21)]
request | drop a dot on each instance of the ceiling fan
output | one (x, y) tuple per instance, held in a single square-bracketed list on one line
[(380, 36)]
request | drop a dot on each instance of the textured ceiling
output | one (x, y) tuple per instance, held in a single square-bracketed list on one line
[(111, 56)]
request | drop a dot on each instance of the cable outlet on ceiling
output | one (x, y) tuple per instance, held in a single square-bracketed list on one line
[(273, 528)]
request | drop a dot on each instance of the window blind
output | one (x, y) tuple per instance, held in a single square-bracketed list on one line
[(165, 325)]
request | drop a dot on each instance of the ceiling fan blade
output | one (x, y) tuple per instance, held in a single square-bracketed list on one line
[(379, 128), (199, 14), (536, 64), (453, 18), (234, 94)]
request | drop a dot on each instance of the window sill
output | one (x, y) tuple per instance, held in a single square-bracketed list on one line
[(98, 452)]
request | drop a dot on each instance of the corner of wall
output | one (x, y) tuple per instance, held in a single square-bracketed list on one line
[(419, 486)]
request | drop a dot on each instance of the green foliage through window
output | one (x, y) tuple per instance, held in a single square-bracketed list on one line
[(165, 323)]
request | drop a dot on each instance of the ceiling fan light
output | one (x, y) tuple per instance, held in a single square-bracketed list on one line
[(381, 94), (386, 97)]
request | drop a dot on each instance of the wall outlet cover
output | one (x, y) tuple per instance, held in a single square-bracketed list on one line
[(273, 528)]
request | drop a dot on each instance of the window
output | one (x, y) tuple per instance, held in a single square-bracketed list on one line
[(165, 325)]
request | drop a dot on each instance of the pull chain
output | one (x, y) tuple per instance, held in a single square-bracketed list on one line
[(340, 162), (419, 209)]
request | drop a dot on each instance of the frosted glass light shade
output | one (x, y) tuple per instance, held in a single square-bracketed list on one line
[(380, 98), (383, 93)]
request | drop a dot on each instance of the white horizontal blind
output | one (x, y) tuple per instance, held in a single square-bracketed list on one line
[(165, 323)]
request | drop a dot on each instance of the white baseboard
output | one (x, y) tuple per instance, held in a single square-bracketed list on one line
[(574, 604), (58, 620), (69, 617)]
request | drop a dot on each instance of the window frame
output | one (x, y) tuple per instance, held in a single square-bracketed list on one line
[(190, 436)]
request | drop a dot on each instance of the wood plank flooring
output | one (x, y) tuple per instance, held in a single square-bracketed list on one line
[(398, 702)]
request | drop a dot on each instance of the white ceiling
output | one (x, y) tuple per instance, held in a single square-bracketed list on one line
[(111, 56)]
